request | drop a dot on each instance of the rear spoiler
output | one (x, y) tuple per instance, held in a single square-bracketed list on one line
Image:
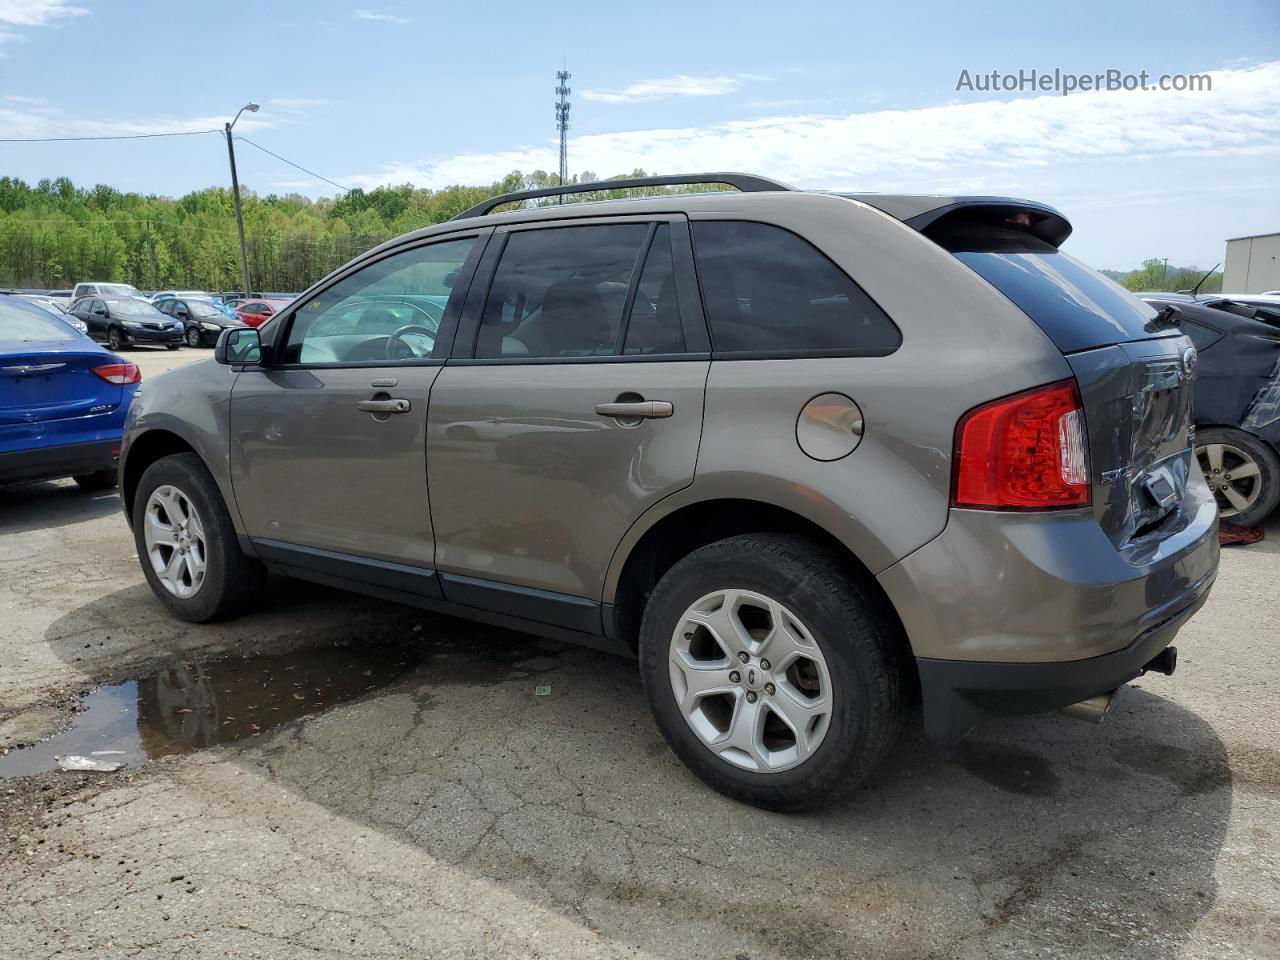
[(928, 213)]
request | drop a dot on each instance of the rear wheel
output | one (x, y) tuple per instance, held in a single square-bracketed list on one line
[(1242, 471), (187, 545), (98, 480), (772, 673)]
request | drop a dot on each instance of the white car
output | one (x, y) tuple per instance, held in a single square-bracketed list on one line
[(106, 290)]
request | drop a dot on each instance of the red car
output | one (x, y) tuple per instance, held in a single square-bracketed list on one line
[(257, 312)]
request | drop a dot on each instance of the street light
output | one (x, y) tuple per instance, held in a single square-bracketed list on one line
[(235, 190)]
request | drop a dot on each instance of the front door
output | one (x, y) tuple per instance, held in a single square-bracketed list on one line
[(328, 439), (573, 405)]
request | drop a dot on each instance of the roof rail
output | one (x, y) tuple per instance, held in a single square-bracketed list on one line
[(745, 182)]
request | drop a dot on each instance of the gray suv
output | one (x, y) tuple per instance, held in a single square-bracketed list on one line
[(809, 457)]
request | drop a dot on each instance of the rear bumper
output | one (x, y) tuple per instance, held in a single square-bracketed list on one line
[(64, 460), (1026, 613), (958, 693)]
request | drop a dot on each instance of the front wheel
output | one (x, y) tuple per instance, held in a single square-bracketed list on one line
[(773, 673), (172, 346), (187, 545), (193, 337), (1242, 471), (115, 340)]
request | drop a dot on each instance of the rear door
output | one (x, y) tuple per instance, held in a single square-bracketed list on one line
[(328, 450), (572, 403)]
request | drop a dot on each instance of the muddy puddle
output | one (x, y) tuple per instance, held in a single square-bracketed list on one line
[(200, 703)]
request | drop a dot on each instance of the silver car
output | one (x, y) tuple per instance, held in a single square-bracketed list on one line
[(808, 457)]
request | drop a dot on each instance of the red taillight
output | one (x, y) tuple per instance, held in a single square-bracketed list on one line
[(1025, 452), (119, 373)]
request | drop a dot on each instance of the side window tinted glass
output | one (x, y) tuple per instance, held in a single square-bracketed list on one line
[(767, 290), (388, 311), (560, 292), (654, 323)]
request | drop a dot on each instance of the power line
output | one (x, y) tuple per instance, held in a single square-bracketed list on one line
[(296, 166), (121, 136)]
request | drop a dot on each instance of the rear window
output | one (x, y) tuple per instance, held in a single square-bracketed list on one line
[(25, 323), (1077, 307), (768, 292)]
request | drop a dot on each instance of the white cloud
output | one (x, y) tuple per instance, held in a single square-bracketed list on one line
[(26, 118), (297, 103), (375, 15), (681, 85), (36, 13), (916, 149)]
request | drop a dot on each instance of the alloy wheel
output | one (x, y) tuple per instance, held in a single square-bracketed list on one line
[(193, 337), (175, 541), (113, 339), (1233, 476), (750, 680)]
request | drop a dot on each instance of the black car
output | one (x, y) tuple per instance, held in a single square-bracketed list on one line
[(126, 322), (1236, 404), (202, 320)]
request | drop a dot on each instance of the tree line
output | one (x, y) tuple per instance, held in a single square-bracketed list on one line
[(55, 234)]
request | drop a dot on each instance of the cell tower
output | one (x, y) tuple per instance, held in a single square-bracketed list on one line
[(562, 121)]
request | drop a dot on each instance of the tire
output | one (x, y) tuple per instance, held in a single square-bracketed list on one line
[(114, 339), (859, 666), (193, 337), (99, 480), (229, 582), (172, 346), (1248, 500)]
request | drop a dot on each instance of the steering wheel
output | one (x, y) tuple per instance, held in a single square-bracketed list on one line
[(393, 352)]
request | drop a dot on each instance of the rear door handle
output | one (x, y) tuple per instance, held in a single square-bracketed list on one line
[(384, 406), (647, 409)]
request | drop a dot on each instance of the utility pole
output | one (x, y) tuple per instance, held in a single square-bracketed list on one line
[(562, 122), (235, 190), (151, 250), (1164, 274)]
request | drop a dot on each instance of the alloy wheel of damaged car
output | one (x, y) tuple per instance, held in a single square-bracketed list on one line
[(772, 670), (751, 681), (1243, 473), (174, 535), (187, 544)]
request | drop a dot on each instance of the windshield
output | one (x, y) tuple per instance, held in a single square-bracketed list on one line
[(135, 308), (19, 324), (118, 290), (203, 310)]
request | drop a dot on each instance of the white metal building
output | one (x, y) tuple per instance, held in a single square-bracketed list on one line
[(1253, 264)]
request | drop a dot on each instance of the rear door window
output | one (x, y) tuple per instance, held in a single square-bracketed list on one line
[(770, 293)]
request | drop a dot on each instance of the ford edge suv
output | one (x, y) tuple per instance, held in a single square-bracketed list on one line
[(806, 456)]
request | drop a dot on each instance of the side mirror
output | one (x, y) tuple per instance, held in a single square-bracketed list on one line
[(238, 345)]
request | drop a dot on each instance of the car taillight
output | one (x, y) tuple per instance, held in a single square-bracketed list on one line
[(1025, 452), (120, 373)]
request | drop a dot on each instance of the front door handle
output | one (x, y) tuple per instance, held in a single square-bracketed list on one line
[(646, 409), (384, 406)]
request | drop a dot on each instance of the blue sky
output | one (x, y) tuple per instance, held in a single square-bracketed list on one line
[(827, 95)]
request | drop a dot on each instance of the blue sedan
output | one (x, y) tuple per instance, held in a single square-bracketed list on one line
[(63, 400)]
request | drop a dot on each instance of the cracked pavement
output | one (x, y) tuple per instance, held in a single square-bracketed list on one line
[(454, 813)]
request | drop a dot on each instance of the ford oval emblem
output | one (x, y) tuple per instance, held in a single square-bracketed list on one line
[(1189, 360)]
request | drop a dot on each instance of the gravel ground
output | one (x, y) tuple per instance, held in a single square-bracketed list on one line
[(454, 813)]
